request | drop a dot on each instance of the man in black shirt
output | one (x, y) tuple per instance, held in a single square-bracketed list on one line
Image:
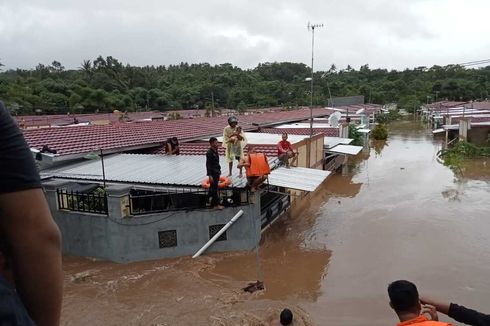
[(30, 241), (460, 313), (213, 170)]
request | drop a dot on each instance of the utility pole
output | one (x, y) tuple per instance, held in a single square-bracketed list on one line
[(312, 28)]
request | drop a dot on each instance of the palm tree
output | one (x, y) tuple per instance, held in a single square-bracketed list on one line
[(86, 67)]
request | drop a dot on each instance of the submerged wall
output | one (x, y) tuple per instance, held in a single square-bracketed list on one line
[(144, 237)]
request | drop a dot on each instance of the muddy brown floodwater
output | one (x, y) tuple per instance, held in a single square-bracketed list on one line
[(395, 213)]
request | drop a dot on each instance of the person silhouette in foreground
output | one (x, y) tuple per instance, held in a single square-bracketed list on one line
[(459, 313), (285, 318), (404, 299), (31, 277)]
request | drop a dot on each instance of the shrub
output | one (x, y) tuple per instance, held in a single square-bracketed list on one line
[(380, 132), (356, 135)]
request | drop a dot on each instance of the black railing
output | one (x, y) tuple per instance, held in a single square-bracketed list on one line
[(148, 202), (82, 202)]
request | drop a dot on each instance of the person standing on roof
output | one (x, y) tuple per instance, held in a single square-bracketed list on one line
[(213, 170), (31, 277), (234, 141)]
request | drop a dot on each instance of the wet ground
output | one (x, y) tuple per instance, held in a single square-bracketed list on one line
[(394, 213)]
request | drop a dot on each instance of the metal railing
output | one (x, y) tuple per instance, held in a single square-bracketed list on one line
[(82, 202), (142, 202)]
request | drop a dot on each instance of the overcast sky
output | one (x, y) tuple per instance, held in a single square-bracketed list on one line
[(382, 33)]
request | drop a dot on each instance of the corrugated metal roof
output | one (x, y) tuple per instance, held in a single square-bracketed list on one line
[(202, 148), (346, 149), (256, 138), (298, 178), (301, 131), (334, 141), (180, 170)]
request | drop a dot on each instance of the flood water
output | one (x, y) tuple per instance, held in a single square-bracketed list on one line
[(394, 213)]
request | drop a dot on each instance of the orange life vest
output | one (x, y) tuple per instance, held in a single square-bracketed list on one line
[(258, 165), (223, 182), (422, 321)]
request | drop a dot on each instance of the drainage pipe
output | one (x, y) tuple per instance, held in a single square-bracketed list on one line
[(217, 235)]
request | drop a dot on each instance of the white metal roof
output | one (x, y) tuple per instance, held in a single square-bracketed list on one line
[(473, 124), (257, 138), (181, 170), (334, 141), (346, 149), (298, 178), (437, 131), (304, 125)]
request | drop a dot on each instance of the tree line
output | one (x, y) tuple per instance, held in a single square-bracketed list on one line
[(106, 84)]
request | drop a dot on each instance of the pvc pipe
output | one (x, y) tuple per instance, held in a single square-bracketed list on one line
[(220, 232)]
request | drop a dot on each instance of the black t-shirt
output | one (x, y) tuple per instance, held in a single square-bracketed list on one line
[(212, 163), (17, 168)]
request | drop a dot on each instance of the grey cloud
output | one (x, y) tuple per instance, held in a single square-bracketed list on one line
[(382, 33)]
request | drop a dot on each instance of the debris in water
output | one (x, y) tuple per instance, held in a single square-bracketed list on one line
[(179, 299), (402, 168), (82, 276), (252, 287)]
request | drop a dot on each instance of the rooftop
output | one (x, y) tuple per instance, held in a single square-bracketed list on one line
[(303, 129), (119, 137), (162, 170), (200, 148)]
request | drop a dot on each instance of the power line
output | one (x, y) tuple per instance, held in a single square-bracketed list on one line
[(474, 63)]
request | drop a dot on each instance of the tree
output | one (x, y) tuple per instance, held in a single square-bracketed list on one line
[(56, 67), (105, 84)]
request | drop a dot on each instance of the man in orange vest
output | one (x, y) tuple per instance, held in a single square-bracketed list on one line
[(404, 299), (258, 174)]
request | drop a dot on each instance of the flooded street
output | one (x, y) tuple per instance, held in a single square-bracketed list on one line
[(395, 213)]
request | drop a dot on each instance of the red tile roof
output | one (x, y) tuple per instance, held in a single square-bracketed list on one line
[(64, 119), (444, 105), (83, 139)]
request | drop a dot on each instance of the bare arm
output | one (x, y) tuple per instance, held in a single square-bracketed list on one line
[(243, 162), (34, 242), (440, 306)]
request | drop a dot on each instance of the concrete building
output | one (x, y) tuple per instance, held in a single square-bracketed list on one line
[(145, 205), (153, 206)]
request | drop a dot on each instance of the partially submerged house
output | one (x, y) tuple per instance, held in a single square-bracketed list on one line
[(469, 121), (130, 202), (153, 206)]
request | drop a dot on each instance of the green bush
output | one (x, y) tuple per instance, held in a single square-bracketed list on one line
[(454, 156), (356, 135), (380, 132), (385, 117)]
